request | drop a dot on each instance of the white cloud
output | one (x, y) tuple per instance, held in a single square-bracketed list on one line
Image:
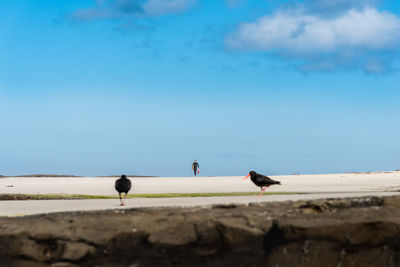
[(297, 33), (353, 39)]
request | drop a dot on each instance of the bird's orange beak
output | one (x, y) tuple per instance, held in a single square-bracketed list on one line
[(247, 176)]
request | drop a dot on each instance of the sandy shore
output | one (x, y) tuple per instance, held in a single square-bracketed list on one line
[(30, 207), (315, 187), (347, 182)]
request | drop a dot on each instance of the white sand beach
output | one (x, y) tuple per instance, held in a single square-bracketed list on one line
[(320, 183), (316, 186)]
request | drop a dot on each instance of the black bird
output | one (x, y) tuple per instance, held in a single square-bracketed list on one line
[(261, 180), (123, 185)]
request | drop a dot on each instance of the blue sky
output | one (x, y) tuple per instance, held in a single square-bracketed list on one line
[(146, 86)]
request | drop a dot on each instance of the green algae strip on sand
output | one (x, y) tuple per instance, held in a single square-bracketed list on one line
[(164, 195)]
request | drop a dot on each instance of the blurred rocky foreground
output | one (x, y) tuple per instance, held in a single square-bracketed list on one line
[(336, 232)]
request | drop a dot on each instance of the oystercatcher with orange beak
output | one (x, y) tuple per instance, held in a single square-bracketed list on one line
[(261, 180)]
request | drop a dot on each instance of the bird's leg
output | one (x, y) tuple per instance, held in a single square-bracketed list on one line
[(264, 188), (261, 192), (125, 198), (120, 199)]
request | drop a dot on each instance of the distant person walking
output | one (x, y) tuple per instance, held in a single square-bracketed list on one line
[(195, 167)]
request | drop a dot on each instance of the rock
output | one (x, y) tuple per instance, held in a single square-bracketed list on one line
[(333, 232), (63, 264), (169, 236), (74, 251)]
